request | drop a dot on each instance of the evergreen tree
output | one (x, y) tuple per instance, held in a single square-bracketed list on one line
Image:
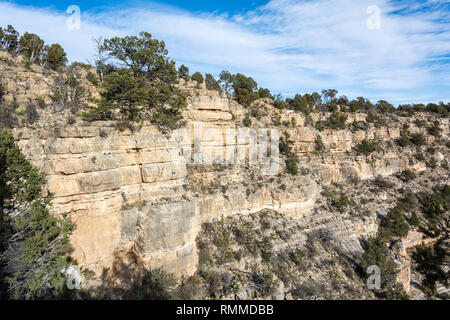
[(183, 72), (56, 56), (198, 77), (10, 39), (33, 243), (141, 87), (211, 83), (226, 80), (377, 254), (395, 224), (31, 46)]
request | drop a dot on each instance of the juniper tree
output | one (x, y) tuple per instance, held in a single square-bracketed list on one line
[(10, 39), (55, 56), (183, 72), (31, 46), (142, 86), (33, 243), (211, 83), (198, 77)]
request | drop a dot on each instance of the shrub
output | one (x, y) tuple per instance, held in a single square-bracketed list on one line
[(420, 123), (183, 73), (432, 163), (376, 120), (376, 253), (367, 147), (296, 256), (308, 290), (2, 91), (431, 150), (337, 121), (414, 220), (31, 113), (382, 183), (404, 140), (8, 118), (286, 144), (211, 83), (67, 92), (247, 122), (435, 205), (429, 262), (156, 285), (93, 79), (292, 166), (342, 203), (395, 225), (418, 139), (319, 146), (189, 289), (198, 77), (56, 56), (436, 129), (407, 175), (420, 157)]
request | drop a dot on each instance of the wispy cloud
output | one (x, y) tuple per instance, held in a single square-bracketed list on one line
[(289, 46)]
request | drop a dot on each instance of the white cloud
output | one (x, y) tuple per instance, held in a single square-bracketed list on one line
[(289, 46)]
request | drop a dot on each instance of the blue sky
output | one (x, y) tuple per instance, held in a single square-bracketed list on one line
[(288, 46), (230, 6)]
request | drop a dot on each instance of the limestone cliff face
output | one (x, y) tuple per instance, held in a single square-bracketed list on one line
[(133, 191)]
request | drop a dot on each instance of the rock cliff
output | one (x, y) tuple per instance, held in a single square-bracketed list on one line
[(133, 191)]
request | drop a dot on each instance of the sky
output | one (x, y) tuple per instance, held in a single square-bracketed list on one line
[(380, 49)]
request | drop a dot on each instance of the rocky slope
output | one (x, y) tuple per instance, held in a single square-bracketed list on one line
[(138, 204)]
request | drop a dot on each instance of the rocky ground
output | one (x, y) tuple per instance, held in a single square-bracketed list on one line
[(271, 255)]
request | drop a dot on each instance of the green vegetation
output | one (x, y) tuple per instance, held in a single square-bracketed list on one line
[(377, 254), (367, 147), (418, 139), (183, 73), (32, 48), (429, 262), (156, 285), (336, 121), (303, 103), (434, 206), (435, 130), (142, 88), (33, 243), (67, 92), (198, 77), (395, 225), (212, 83), (319, 146), (407, 175), (292, 166)]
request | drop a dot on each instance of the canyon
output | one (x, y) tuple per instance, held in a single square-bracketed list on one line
[(132, 191)]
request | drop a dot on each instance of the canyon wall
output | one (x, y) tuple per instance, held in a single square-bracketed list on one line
[(132, 191)]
